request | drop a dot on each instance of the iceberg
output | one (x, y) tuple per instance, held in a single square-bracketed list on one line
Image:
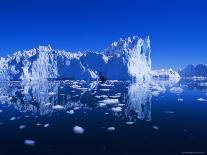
[(126, 59), (199, 70)]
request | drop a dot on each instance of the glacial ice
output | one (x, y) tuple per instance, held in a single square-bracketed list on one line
[(125, 59)]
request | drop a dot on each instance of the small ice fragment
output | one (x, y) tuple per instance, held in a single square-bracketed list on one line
[(121, 105), (12, 118), (102, 104), (22, 126), (155, 127), (1, 111), (46, 125), (117, 109), (57, 107), (38, 124), (76, 108), (111, 128), (201, 99), (176, 90), (110, 101), (129, 123), (106, 113), (169, 112), (70, 112), (180, 100), (29, 142), (51, 93), (78, 130), (104, 89)]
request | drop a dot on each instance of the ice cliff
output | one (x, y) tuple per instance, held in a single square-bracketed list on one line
[(199, 70), (125, 59)]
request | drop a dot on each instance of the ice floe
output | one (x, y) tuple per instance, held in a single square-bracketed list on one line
[(111, 128), (78, 130), (29, 142), (70, 112), (202, 100), (22, 126), (110, 101), (155, 127), (116, 109), (58, 107), (12, 118), (176, 90), (180, 100), (46, 125)]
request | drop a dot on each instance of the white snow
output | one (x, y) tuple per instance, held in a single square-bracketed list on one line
[(29, 142), (78, 130)]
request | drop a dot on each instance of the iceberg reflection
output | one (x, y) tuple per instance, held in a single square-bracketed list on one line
[(131, 101)]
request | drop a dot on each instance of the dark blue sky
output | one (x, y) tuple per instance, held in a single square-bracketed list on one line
[(177, 28)]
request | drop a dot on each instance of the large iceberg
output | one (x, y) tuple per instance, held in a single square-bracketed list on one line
[(199, 70), (125, 59)]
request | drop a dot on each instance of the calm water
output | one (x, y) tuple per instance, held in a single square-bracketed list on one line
[(116, 117)]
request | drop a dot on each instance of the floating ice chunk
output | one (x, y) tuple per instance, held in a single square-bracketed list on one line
[(51, 93), (71, 112), (176, 90), (12, 118), (111, 128), (129, 123), (102, 104), (110, 101), (78, 130), (116, 109), (29, 142), (155, 127), (76, 108), (58, 107), (169, 112), (180, 100), (104, 89), (201, 99), (38, 124), (46, 125), (22, 126), (1, 111)]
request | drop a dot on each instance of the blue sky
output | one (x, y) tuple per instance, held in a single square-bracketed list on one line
[(177, 28)]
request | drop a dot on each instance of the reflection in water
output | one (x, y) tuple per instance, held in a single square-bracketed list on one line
[(132, 100)]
